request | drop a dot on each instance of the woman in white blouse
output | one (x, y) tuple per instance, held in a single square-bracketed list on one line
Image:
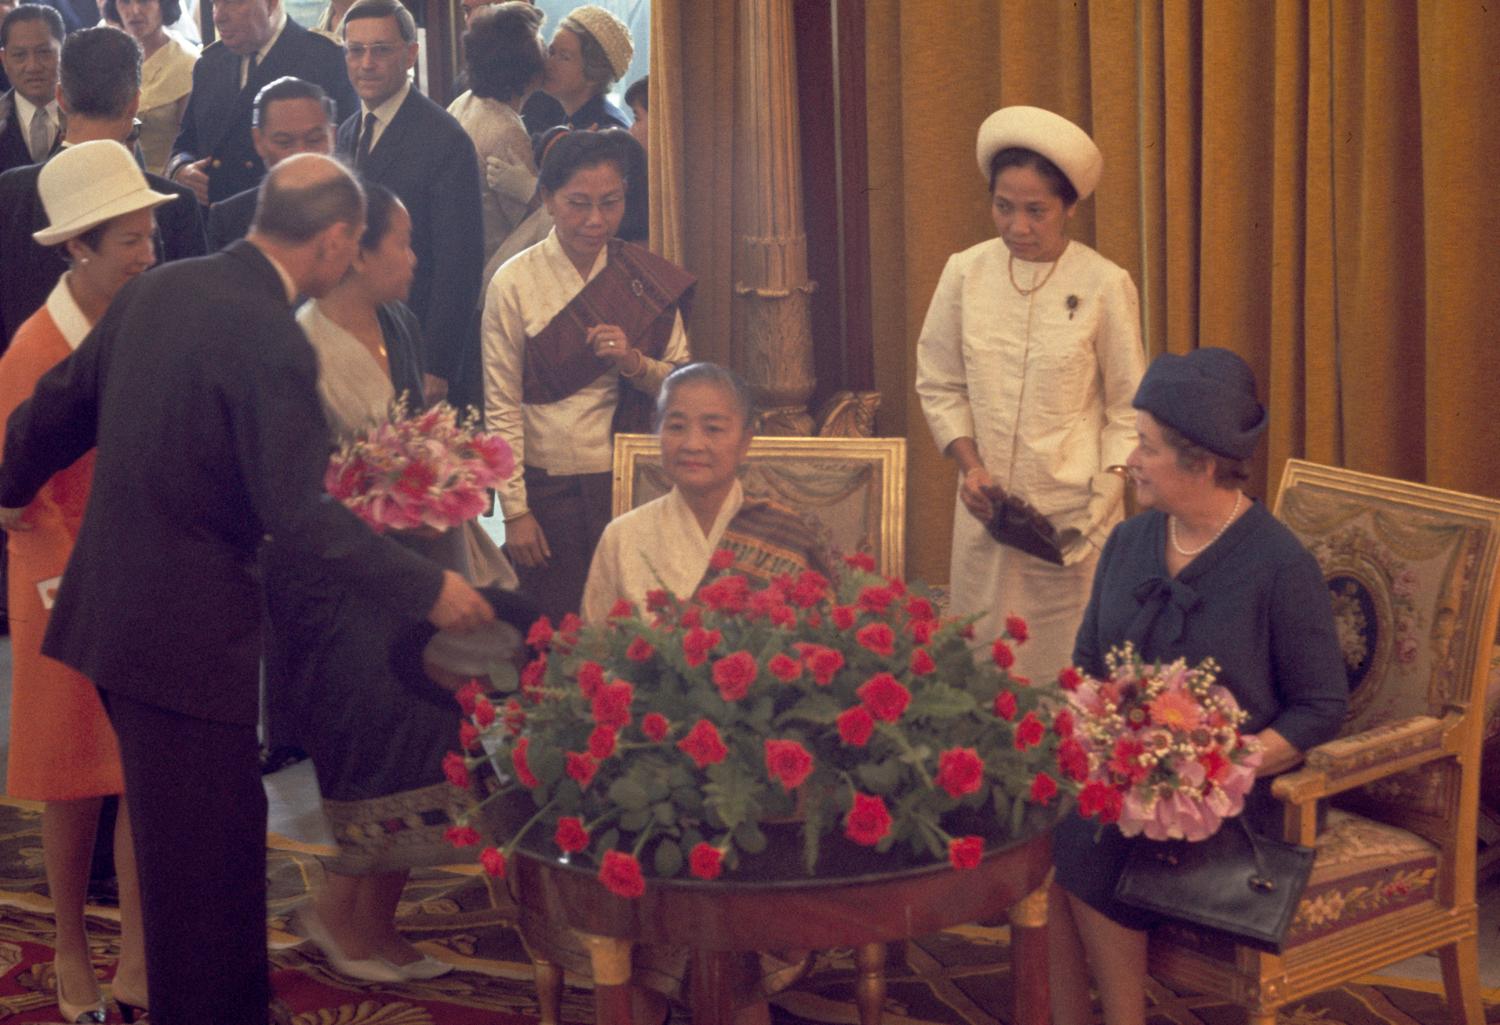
[(166, 72), (1026, 366), (579, 331)]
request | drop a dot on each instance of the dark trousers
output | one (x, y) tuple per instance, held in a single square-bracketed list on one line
[(199, 817), (573, 511)]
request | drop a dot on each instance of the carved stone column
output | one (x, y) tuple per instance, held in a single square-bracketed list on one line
[(772, 339)]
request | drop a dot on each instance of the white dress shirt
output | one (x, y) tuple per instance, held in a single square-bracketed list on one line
[(383, 115), (278, 22), (26, 111)]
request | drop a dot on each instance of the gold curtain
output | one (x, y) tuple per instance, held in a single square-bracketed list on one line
[(1309, 184)]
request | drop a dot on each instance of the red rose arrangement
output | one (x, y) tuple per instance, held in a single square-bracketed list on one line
[(661, 741), (428, 469)]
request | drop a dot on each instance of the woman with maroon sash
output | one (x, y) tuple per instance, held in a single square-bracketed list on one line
[(579, 332)]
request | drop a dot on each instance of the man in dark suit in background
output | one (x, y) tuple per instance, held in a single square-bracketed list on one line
[(200, 392), (415, 148), (100, 90), (214, 154), (30, 38), (290, 116)]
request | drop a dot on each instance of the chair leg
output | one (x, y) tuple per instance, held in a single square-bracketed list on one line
[(1460, 964), (549, 991), (1262, 1016)]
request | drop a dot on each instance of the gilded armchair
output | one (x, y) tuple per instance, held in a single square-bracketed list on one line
[(1412, 573)]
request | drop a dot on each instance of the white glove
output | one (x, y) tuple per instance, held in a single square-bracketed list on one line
[(511, 181)]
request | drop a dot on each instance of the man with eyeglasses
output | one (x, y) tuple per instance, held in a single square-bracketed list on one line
[(30, 123), (100, 73), (290, 116), (404, 141), (214, 154)]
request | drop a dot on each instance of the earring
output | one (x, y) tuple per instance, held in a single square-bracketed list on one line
[(84, 260)]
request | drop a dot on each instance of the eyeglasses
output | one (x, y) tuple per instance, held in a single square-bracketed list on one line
[(380, 51)]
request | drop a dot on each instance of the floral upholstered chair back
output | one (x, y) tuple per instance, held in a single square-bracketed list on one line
[(1410, 573)]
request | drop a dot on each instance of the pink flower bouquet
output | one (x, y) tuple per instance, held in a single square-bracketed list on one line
[(428, 469), (1165, 754)]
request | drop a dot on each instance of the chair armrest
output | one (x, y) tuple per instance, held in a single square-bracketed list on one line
[(1384, 750)]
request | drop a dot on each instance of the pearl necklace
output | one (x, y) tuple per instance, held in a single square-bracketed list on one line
[(1011, 269), (1172, 529)]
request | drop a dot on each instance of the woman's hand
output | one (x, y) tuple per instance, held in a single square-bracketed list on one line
[(609, 342), (511, 180), (459, 607), (525, 543)]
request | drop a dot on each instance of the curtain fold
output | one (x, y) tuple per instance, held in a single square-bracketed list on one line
[(1309, 184)]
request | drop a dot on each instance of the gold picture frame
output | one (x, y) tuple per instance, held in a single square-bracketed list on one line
[(852, 489)]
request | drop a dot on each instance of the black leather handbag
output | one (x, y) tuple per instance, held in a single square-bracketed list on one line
[(1017, 523), (1236, 883)]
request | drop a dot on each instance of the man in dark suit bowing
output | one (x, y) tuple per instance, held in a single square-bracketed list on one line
[(200, 392), (290, 116), (99, 91), (415, 148), (213, 154)]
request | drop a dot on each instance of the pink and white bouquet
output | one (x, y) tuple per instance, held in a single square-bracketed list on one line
[(427, 469), (1165, 754)]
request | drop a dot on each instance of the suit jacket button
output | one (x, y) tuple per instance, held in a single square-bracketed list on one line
[(216, 162)]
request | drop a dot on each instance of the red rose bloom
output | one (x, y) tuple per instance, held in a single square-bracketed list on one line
[(657, 599), (568, 628), (876, 599), (523, 770), (860, 561), (655, 726), (844, 616), (965, 851), (727, 594), (602, 742), (611, 705), (705, 862), (922, 630), (1043, 788), (784, 615), (467, 695), (960, 771), (640, 650), (1017, 628), (590, 679), (921, 662), (1029, 731), (884, 696), (1005, 705), (697, 643), (1069, 678), (455, 769), (877, 637), (868, 820), (788, 762), (468, 735), (920, 609), (691, 616), (703, 744), (571, 837), (621, 609), (462, 836), (734, 674), (824, 663), (1004, 657), (581, 767), (784, 667), (855, 726), (721, 559), (540, 634), (811, 587), (1062, 723), (484, 712), (1100, 800), (493, 862), (1072, 760), (621, 875)]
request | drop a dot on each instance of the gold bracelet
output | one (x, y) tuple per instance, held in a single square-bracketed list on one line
[(518, 516)]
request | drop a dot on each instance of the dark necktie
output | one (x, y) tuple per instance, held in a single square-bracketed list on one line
[(362, 152), (250, 63)]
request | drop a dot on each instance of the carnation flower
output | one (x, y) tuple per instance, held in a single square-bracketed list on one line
[(462, 836), (518, 760), (705, 861), (697, 643), (571, 837), (921, 662), (960, 771), (877, 637), (861, 561), (655, 726), (581, 768), (602, 742), (610, 706), (703, 744), (721, 559), (868, 820), (493, 862), (639, 650), (540, 634), (965, 851), (784, 667), (823, 663), (884, 696), (456, 769), (733, 675), (1005, 705), (855, 726), (621, 875), (1004, 657), (1043, 788), (1029, 731), (1017, 628), (788, 762), (590, 678)]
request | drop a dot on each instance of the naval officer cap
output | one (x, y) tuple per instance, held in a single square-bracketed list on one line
[(1207, 396), (1051, 135)]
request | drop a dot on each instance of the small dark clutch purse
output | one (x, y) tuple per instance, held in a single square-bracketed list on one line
[(1017, 523)]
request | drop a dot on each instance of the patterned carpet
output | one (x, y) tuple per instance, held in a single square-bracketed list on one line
[(959, 977)]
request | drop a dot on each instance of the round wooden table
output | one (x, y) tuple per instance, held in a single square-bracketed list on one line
[(777, 907)]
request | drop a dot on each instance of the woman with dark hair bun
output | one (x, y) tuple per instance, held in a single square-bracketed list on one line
[(505, 58), (166, 72), (579, 331)]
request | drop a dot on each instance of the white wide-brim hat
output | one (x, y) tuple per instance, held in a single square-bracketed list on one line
[(85, 185), (608, 31), (1051, 135)]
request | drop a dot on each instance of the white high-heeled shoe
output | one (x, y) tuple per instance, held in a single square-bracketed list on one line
[(365, 969)]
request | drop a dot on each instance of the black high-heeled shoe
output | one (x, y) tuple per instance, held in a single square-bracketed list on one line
[(130, 1012)]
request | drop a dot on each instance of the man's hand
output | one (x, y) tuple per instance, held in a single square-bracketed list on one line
[(525, 542), (434, 389), (195, 177), (459, 607), (975, 494), (12, 520)]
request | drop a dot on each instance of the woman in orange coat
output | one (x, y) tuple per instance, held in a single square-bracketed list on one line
[(62, 749)]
